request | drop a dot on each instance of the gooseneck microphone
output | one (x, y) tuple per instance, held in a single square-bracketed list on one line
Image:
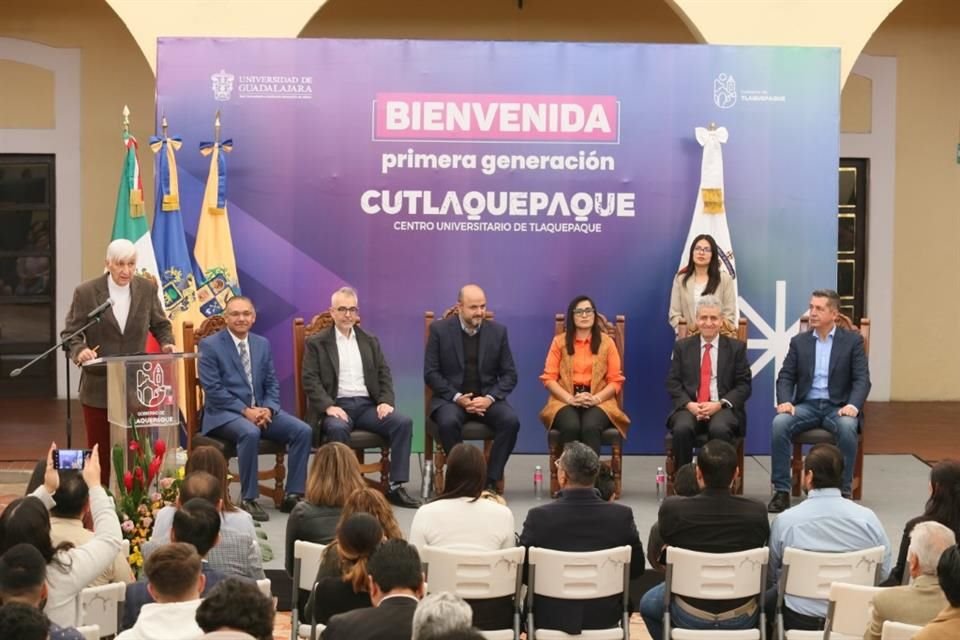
[(101, 308)]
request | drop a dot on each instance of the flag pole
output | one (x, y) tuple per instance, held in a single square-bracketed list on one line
[(216, 128), (163, 125), (126, 119)]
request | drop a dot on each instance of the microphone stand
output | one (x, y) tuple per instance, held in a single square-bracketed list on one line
[(66, 355)]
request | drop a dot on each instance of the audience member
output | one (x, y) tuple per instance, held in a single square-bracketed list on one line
[(583, 374), (334, 475), (715, 521), (238, 607), (606, 484), (370, 500), (580, 521), (440, 613), (922, 600), (175, 582), (23, 622), (946, 626), (825, 521), (196, 522), (66, 525), (460, 634), (341, 583), (396, 586), (942, 506), (209, 459), (685, 485), (70, 569), (237, 552), (23, 573)]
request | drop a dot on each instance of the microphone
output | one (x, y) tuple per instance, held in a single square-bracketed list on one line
[(100, 309), (15, 373)]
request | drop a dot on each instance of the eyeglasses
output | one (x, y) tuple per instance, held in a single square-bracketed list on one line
[(702, 250), (346, 310), (586, 311)]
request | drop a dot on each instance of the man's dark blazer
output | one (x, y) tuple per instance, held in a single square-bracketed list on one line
[(146, 314), (580, 521), (321, 371), (733, 375), (137, 595), (443, 361), (392, 620), (848, 376), (226, 392)]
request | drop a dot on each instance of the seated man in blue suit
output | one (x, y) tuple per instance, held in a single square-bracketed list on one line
[(242, 403), (469, 367), (824, 382)]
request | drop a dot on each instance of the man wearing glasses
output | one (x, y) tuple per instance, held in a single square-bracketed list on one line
[(348, 386), (242, 404)]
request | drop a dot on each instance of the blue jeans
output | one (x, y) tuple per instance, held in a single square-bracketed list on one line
[(809, 415), (651, 608)]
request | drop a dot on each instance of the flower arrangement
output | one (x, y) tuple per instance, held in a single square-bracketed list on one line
[(140, 492)]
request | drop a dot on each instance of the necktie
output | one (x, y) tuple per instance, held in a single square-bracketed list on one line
[(245, 360), (706, 372)]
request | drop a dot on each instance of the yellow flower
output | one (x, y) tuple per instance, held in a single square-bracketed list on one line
[(181, 472)]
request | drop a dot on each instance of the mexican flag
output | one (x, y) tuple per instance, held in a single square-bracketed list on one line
[(130, 221)]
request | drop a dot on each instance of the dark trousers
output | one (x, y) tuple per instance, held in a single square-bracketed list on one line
[(723, 425), (98, 432), (500, 417), (395, 428), (583, 424)]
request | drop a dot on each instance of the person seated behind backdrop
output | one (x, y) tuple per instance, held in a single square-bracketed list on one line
[(919, 602), (23, 573), (583, 375), (709, 383), (348, 386), (66, 525), (396, 586), (704, 275), (946, 626), (175, 582), (824, 382), (242, 404), (236, 606)]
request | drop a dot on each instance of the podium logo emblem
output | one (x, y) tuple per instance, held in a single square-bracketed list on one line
[(151, 386), (724, 91), (222, 85)]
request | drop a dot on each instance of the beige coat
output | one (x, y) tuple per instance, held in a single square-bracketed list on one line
[(71, 530), (682, 304), (946, 626), (917, 603), (610, 407), (146, 314)]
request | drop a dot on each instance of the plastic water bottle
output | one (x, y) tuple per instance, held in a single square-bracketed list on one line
[(537, 482), (426, 485), (661, 484)]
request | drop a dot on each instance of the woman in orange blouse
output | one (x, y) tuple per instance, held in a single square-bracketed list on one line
[(584, 376)]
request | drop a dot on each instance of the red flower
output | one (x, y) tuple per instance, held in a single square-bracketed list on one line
[(128, 481), (134, 446), (138, 475), (159, 448), (154, 467)]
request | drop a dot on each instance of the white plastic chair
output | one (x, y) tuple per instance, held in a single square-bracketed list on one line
[(809, 574), (477, 575), (306, 562), (573, 575), (715, 576), (848, 614), (898, 631), (90, 632), (101, 606)]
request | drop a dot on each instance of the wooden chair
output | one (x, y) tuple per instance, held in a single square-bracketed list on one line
[(671, 463), (472, 429), (360, 440), (194, 406), (816, 436), (617, 331)]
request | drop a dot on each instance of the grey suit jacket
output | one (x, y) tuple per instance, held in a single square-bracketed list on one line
[(321, 371), (146, 314)]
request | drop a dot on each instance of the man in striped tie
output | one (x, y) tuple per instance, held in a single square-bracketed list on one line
[(242, 403), (709, 383)]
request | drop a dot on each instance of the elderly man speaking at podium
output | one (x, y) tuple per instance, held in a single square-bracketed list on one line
[(130, 306)]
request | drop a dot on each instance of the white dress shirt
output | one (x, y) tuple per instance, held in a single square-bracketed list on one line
[(714, 344), (121, 301), (350, 378)]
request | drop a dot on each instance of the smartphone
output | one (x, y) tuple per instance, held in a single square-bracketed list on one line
[(70, 458)]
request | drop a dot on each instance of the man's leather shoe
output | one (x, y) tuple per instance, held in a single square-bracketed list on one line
[(255, 510), (779, 502), (290, 501), (401, 498)]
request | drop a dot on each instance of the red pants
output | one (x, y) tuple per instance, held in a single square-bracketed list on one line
[(98, 432)]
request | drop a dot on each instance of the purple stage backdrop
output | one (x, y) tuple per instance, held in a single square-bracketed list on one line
[(537, 170)]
